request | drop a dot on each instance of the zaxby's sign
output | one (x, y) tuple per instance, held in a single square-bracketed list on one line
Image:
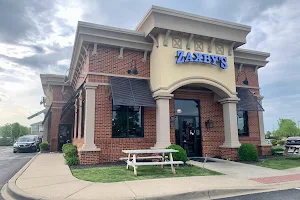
[(201, 58)]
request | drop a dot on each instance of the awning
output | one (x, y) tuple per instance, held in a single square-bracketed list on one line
[(131, 92), (71, 101), (36, 114), (248, 101), (47, 114)]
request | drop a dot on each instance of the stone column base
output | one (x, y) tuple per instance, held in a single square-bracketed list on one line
[(264, 150), (229, 153), (89, 157)]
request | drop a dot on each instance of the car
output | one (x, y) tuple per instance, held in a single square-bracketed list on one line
[(293, 143), (27, 143)]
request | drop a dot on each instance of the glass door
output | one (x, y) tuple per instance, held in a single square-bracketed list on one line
[(188, 134)]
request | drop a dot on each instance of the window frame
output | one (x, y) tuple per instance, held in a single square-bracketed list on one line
[(127, 124), (246, 124)]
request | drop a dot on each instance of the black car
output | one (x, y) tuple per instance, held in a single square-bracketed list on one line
[(28, 143)]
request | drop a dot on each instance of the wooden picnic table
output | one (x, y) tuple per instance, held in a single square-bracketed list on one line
[(133, 157)]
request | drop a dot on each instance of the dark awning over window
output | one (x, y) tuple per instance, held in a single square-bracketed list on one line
[(131, 92), (248, 101)]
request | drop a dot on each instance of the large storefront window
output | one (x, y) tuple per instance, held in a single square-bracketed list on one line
[(242, 120), (127, 121)]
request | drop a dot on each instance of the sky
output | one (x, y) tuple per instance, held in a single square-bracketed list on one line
[(37, 36)]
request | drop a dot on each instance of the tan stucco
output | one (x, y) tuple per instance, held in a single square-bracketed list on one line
[(166, 75)]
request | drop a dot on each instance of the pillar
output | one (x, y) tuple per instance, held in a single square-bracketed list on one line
[(162, 121), (45, 130), (264, 149), (230, 123), (89, 124)]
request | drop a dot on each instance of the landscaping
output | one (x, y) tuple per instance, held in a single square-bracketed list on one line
[(280, 163), (120, 173)]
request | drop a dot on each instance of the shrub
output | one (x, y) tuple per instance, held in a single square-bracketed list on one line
[(274, 150), (66, 146), (248, 152), (70, 154), (180, 155), (281, 142), (274, 142), (6, 142), (73, 160), (44, 146)]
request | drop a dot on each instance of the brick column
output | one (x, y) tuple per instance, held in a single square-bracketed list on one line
[(89, 124), (162, 121)]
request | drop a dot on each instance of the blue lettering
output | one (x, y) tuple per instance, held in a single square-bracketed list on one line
[(180, 56), (198, 57), (223, 63), (214, 59), (189, 57), (206, 58)]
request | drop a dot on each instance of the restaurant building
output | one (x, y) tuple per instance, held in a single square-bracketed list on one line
[(178, 78)]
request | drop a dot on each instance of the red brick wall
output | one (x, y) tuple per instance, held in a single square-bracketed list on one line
[(89, 157), (252, 77), (111, 148), (107, 61)]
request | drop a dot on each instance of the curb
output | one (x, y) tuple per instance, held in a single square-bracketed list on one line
[(205, 194), (12, 188)]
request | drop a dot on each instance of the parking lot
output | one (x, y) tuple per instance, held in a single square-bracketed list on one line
[(10, 163)]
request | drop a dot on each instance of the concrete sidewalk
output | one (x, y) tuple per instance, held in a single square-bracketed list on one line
[(47, 177)]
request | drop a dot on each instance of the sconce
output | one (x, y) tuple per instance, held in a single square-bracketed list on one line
[(133, 70), (245, 82), (209, 124)]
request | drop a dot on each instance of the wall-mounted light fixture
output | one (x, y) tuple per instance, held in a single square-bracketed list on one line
[(179, 111), (133, 70), (245, 82), (209, 124)]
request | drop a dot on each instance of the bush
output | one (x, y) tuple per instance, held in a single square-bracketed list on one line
[(274, 142), (281, 142), (70, 154), (44, 146), (274, 150), (73, 160), (6, 142), (248, 152), (180, 155)]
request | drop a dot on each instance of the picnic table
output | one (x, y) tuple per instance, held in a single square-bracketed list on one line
[(133, 158)]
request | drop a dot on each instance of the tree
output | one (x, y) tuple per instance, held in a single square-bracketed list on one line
[(5, 131), (287, 128), (268, 135)]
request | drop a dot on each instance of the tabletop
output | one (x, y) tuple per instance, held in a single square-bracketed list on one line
[(150, 151)]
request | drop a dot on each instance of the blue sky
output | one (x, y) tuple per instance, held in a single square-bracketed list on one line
[(37, 37)]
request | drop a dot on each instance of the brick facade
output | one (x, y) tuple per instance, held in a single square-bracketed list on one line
[(107, 62)]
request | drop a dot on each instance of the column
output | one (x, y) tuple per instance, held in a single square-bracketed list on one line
[(89, 124), (261, 124), (45, 131), (230, 122), (162, 121)]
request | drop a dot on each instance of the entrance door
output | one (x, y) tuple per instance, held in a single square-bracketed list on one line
[(64, 135), (188, 135)]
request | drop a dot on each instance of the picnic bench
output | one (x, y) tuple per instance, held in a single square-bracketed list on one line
[(133, 159)]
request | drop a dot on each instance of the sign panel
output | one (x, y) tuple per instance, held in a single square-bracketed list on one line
[(201, 58)]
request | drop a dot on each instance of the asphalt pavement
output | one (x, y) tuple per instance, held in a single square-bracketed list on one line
[(291, 194), (11, 163)]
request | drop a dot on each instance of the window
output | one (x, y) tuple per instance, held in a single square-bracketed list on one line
[(82, 118), (127, 121), (242, 120)]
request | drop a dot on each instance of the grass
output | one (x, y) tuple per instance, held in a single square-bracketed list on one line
[(120, 173), (280, 162)]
